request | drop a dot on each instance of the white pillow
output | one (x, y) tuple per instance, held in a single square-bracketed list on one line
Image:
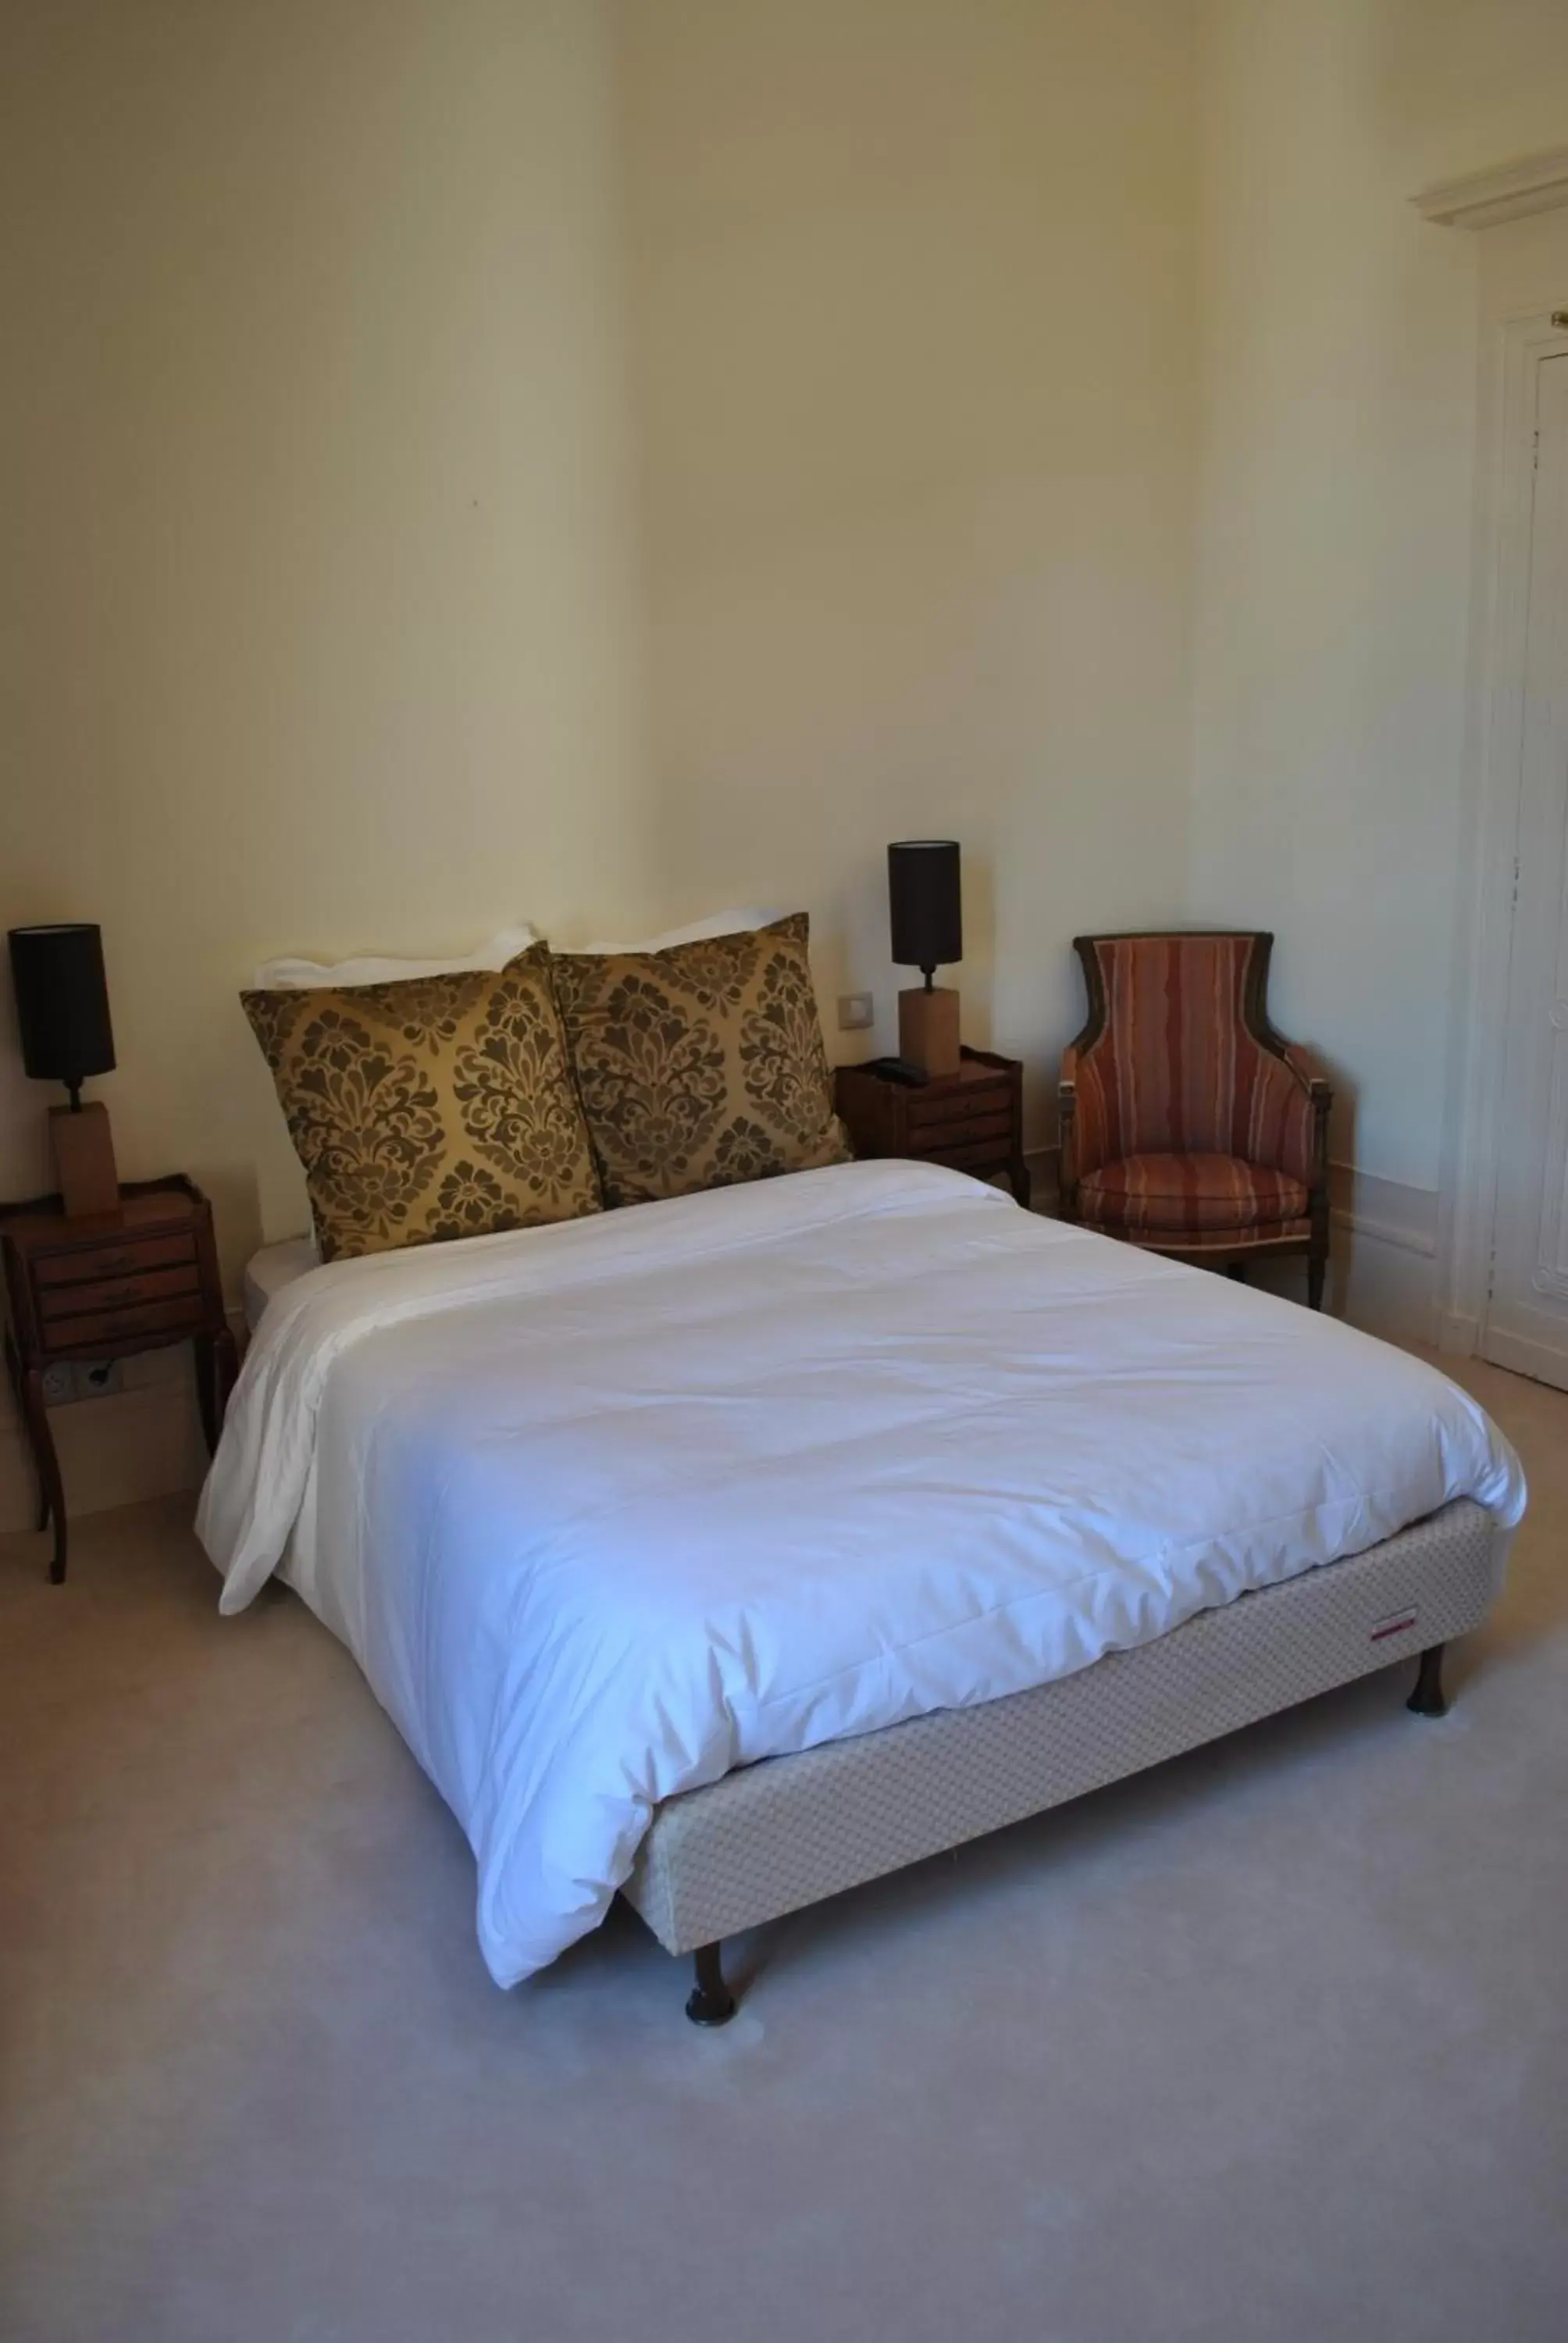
[(267, 1272), (308, 975), (718, 923)]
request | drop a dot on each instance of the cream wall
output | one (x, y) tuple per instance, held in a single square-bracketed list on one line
[(909, 299), (363, 589), (1332, 574), (319, 598)]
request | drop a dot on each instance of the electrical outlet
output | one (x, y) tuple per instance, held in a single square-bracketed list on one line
[(59, 1384), (856, 1011), (94, 1378)]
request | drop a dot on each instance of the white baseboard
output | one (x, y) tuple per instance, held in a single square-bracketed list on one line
[(1541, 1361), (1458, 1334), (1043, 1164), (142, 1441), (1383, 1253)]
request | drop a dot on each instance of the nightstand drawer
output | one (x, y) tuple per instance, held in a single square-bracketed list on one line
[(118, 1293), (963, 1127), (143, 1321), (116, 1257), (102, 1286), (984, 1155), (971, 1121), (956, 1107)]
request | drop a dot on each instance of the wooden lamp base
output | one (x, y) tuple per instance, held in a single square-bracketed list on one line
[(929, 1029), (85, 1166)]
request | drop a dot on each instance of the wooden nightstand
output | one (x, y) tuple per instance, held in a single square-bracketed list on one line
[(972, 1120), (101, 1288)]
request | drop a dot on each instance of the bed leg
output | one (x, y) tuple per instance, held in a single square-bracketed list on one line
[(710, 2002), (1427, 1699)]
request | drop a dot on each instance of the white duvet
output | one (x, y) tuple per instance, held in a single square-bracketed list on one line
[(606, 1509)]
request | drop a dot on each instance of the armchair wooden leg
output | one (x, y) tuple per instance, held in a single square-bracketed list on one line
[(1317, 1269)]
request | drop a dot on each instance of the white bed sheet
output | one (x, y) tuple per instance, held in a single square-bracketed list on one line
[(267, 1272), (606, 1509)]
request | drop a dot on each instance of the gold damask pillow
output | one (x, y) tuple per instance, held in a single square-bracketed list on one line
[(437, 1107), (700, 1065)]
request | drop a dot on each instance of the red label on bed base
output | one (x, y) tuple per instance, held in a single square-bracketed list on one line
[(1398, 1622)]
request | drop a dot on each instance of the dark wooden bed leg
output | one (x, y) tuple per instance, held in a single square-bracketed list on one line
[(1427, 1699), (710, 2002)]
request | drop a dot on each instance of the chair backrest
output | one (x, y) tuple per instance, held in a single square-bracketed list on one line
[(1176, 1055)]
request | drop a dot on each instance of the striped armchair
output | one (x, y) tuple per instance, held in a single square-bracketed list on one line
[(1188, 1125)]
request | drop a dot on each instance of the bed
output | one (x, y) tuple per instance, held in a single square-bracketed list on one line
[(727, 1551)]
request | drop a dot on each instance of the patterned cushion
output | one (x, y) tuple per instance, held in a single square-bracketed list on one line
[(1175, 1066), (439, 1107), (1168, 1194), (701, 1065)]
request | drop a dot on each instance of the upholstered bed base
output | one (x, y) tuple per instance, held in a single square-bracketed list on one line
[(789, 1831)]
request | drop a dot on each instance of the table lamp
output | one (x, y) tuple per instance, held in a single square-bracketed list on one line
[(63, 1016), (927, 918)]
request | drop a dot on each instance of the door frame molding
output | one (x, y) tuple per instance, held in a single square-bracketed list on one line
[(1513, 344)]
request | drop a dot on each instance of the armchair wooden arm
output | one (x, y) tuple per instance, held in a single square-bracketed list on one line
[(1066, 1121), (1323, 1098)]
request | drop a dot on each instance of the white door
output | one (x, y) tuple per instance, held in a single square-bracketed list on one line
[(1527, 1315)]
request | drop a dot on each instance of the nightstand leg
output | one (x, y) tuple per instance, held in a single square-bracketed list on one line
[(227, 1358), (35, 1416), (206, 1389), (14, 1373), (217, 1365), (1019, 1180)]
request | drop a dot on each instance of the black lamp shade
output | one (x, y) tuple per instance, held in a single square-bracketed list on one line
[(62, 1002), (925, 902)]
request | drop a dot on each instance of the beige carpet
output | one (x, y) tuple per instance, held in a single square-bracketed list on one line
[(1269, 2045)]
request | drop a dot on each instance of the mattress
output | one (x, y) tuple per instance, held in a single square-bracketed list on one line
[(775, 1836), (609, 1510), (267, 1272)]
